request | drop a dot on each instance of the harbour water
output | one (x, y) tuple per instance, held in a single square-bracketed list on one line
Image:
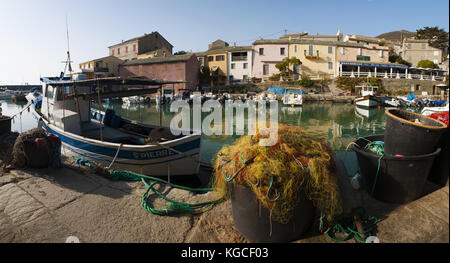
[(338, 123)]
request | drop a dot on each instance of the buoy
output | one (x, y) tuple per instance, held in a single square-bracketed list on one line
[(372, 239)]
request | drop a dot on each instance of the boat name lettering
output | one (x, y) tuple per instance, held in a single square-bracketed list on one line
[(153, 154)]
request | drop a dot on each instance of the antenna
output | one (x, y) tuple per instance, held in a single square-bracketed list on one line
[(68, 61)]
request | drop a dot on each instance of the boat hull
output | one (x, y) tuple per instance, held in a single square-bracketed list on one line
[(366, 102), (153, 160)]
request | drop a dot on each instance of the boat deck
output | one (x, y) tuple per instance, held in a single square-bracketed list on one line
[(92, 131)]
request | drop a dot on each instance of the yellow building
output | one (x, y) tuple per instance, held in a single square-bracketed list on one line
[(101, 67), (318, 57), (216, 60)]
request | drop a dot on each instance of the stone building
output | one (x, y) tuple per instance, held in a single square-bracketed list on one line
[(415, 50), (132, 48)]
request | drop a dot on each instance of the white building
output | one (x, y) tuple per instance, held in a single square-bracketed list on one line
[(239, 64)]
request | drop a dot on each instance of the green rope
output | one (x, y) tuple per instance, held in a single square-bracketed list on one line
[(268, 190), (376, 147), (347, 227), (175, 207)]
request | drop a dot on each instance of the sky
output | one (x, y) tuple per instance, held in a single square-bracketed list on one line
[(33, 35)]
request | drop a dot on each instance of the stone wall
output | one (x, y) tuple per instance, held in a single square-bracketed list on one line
[(412, 85)]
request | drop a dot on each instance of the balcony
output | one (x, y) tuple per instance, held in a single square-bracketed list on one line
[(363, 58), (239, 58), (311, 57), (100, 69)]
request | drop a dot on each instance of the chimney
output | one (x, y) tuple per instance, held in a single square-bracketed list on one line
[(234, 44)]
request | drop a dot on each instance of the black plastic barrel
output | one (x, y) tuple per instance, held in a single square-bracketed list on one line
[(5, 124), (440, 170), (408, 133), (253, 220), (400, 179)]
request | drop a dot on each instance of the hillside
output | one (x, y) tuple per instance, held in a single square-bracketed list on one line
[(396, 35)]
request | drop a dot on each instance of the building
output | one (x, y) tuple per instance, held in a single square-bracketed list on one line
[(239, 64), (132, 48), (161, 52), (266, 54), (216, 59), (415, 50), (185, 68), (101, 67)]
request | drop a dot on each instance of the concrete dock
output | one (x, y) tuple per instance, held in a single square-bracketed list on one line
[(49, 205)]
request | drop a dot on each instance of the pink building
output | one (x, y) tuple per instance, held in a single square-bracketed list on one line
[(267, 53), (173, 68)]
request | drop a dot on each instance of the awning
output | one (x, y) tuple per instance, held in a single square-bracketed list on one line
[(374, 65)]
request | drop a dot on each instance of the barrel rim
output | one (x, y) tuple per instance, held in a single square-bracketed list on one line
[(388, 113)]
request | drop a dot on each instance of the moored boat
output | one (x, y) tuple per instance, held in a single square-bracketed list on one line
[(367, 98), (110, 140)]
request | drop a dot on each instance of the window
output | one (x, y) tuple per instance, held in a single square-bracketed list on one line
[(261, 51), (304, 52), (118, 51), (245, 65), (381, 53), (134, 47), (201, 60), (211, 58), (311, 50), (330, 50), (282, 51), (317, 52), (220, 58), (295, 48), (245, 77), (330, 65), (265, 69), (233, 66), (342, 51), (112, 52), (49, 92), (126, 49), (359, 51), (436, 53)]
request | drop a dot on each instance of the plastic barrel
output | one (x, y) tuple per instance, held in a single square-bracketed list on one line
[(253, 221), (400, 179), (404, 136), (440, 169), (5, 124)]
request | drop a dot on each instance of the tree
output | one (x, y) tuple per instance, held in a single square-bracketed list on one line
[(426, 64), (181, 52), (400, 60), (205, 75), (283, 67), (437, 37)]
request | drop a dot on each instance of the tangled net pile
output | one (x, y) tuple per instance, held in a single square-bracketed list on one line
[(298, 163)]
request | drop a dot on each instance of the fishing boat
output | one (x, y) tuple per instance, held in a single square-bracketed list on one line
[(110, 140), (390, 101), (367, 98), (430, 110), (293, 97)]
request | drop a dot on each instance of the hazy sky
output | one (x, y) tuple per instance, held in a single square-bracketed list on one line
[(33, 40)]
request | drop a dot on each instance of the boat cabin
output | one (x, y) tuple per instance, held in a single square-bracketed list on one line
[(368, 90)]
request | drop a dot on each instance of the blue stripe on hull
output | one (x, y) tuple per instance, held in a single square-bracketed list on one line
[(123, 154), (125, 163)]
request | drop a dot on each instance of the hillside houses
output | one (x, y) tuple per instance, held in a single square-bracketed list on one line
[(321, 56)]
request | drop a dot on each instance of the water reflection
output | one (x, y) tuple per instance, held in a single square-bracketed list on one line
[(339, 124)]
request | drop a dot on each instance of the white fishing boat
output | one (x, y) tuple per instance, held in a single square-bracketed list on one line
[(389, 101), (110, 140), (430, 110), (293, 97), (367, 98), (133, 100)]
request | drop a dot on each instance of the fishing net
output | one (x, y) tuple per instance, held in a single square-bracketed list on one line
[(6, 147), (297, 164)]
